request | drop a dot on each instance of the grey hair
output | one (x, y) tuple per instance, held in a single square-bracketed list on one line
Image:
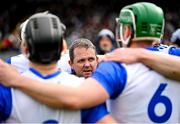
[(80, 43)]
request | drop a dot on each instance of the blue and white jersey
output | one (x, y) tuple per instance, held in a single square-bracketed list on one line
[(22, 63), (17, 107), (138, 94), (172, 50)]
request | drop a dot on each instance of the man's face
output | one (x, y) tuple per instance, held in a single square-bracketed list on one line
[(105, 44), (85, 62)]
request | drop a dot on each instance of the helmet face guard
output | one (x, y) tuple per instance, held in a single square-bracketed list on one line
[(117, 33), (145, 20)]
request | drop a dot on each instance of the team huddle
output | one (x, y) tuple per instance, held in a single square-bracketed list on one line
[(138, 83)]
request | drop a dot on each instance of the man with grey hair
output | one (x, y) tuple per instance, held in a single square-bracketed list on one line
[(83, 57)]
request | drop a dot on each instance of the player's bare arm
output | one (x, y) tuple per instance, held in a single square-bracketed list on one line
[(167, 65)]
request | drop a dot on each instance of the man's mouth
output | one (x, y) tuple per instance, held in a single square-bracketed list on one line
[(87, 71)]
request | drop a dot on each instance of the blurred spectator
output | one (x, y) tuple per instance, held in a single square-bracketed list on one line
[(105, 42), (175, 38)]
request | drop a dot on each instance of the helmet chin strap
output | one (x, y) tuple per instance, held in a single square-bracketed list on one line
[(126, 42)]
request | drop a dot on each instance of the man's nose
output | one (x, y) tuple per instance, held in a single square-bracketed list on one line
[(86, 64)]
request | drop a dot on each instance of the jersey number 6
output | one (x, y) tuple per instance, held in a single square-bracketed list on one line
[(159, 98)]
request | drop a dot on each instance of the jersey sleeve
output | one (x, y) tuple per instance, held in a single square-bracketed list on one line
[(160, 47), (8, 60), (112, 76), (5, 103), (172, 50), (94, 114)]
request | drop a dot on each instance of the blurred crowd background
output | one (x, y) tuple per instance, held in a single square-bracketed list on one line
[(83, 18)]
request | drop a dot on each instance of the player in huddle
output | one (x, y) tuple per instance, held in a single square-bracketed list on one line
[(138, 93)]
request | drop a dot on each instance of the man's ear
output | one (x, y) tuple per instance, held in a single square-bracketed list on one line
[(127, 32), (97, 58), (24, 48), (70, 63)]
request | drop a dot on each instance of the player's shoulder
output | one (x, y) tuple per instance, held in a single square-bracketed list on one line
[(20, 62), (116, 69), (63, 63), (17, 59), (163, 48)]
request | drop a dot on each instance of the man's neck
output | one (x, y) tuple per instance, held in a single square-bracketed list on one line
[(141, 44), (44, 69)]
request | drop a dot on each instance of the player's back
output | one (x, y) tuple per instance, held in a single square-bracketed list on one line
[(25, 109), (147, 97)]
